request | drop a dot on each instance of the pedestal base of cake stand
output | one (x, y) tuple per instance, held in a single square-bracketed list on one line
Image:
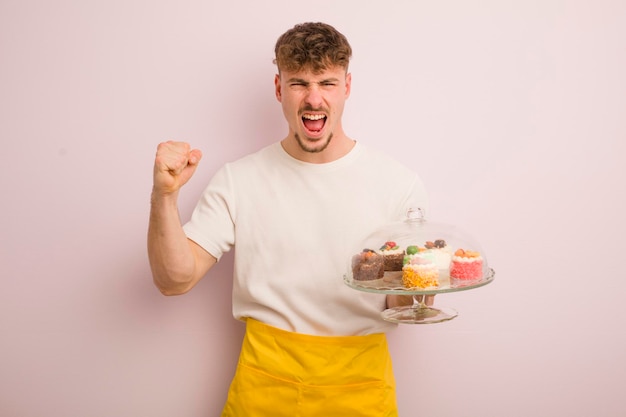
[(418, 313)]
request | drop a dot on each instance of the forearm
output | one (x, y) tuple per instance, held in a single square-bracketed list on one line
[(171, 258)]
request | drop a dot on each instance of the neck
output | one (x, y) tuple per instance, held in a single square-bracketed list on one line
[(339, 146)]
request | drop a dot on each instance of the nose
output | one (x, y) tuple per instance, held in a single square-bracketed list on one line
[(314, 97)]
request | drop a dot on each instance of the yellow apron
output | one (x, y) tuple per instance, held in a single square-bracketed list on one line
[(281, 373)]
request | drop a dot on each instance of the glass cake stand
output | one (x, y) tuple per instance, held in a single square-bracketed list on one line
[(413, 232), (419, 312)]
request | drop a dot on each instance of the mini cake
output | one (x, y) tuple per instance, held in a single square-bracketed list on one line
[(419, 271), (466, 265), (367, 265), (441, 253), (414, 250), (393, 256)]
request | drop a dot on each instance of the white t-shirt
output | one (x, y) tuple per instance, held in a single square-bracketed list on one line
[(296, 226)]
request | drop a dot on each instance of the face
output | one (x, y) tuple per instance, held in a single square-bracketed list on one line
[(313, 105)]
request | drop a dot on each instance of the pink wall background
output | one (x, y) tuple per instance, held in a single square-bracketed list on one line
[(512, 112)]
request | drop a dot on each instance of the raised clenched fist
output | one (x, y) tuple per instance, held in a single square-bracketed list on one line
[(174, 164)]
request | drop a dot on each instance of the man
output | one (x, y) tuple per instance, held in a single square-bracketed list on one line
[(296, 212)]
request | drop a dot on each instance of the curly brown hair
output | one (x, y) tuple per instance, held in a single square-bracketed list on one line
[(312, 46)]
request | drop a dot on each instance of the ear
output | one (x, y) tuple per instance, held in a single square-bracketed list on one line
[(348, 84), (277, 87)]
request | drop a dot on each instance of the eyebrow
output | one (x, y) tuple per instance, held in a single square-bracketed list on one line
[(302, 81)]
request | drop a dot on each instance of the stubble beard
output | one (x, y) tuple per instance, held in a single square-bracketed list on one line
[(310, 149)]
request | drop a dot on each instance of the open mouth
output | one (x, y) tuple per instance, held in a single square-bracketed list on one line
[(314, 122)]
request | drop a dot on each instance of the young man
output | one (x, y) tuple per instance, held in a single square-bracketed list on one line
[(296, 212)]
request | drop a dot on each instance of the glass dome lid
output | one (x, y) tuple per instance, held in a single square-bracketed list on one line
[(421, 259), (416, 256)]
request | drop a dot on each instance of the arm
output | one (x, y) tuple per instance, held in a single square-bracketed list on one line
[(177, 263)]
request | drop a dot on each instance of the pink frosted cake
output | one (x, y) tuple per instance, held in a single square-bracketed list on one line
[(419, 271), (466, 265), (367, 266)]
